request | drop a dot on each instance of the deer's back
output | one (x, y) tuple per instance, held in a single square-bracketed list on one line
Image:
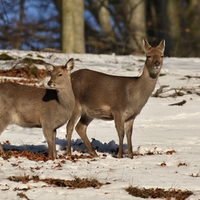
[(99, 93), (28, 105), (18, 94)]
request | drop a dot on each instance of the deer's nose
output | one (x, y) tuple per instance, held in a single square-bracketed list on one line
[(157, 63), (49, 83)]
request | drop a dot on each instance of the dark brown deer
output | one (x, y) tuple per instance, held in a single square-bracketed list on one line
[(117, 98), (29, 106)]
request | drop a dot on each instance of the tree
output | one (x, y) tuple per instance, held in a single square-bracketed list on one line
[(136, 24), (100, 26), (72, 36), (28, 29), (105, 20)]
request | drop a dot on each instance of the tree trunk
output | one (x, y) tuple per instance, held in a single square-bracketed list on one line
[(18, 39), (79, 36), (73, 26), (174, 27), (104, 19), (136, 24), (194, 19)]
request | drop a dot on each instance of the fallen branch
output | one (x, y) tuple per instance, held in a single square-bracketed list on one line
[(178, 104), (159, 90), (188, 76), (177, 91)]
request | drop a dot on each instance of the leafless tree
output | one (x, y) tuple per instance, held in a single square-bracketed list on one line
[(100, 26)]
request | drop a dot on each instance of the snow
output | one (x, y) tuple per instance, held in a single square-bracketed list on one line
[(158, 129)]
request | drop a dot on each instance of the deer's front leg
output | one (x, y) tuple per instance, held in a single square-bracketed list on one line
[(129, 130)]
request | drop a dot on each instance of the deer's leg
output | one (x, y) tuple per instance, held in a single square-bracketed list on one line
[(129, 129), (70, 127), (119, 124), (50, 137), (81, 128), (4, 122), (54, 154), (1, 150)]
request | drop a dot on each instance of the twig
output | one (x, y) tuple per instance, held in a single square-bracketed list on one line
[(159, 91), (188, 76), (177, 91), (178, 104)]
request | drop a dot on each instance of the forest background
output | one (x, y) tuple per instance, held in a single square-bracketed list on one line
[(100, 26)]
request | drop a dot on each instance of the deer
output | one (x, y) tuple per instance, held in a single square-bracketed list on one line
[(46, 108), (108, 97)]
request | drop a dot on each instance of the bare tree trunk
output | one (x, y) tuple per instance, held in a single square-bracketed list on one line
[(136, 23), (17, 42), (194, 19), (104, 19), (174, 27), (79, 36), (73, 26)]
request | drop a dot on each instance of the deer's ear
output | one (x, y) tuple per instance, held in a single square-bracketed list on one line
[(70, 64), (146, 45), (49, 67), (162, 45)]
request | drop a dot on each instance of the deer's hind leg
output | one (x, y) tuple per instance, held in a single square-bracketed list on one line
[(81, 128)]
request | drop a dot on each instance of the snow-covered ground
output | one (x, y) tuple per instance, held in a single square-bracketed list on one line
[(158, 129)]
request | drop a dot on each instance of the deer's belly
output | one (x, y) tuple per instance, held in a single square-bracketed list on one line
[(102, 112), (23, 121)]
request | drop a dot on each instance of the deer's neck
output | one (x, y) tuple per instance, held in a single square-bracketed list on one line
[(145, 85), (66, 96)]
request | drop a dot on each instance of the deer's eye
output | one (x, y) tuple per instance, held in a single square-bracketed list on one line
[(59, 74), (148, 56)]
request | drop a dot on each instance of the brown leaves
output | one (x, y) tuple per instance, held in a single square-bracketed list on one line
[(158, 193), (43, 157), (170, 152), (76, 183), (25, 72), (31, 75), (22, 195), (29, 155)]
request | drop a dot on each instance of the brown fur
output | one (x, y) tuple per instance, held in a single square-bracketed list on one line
[(28, 106), (115, 98)]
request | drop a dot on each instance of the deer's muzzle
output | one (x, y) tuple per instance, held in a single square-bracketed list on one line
[(157, 63)]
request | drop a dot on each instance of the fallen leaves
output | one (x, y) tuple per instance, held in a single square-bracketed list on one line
[(170, 152), (72, 184), (26, 75), (25, 72), (22, 195), (27, 154), (163, 164), (42, 156), (158, 193)]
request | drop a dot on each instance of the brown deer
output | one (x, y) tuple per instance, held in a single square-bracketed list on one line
[(29, 106), (117, 98)]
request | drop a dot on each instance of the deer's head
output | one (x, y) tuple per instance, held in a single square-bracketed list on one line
[(154, 57), (61, 75)]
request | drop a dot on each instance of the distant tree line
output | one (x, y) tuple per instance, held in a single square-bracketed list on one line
[(101, 26)]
